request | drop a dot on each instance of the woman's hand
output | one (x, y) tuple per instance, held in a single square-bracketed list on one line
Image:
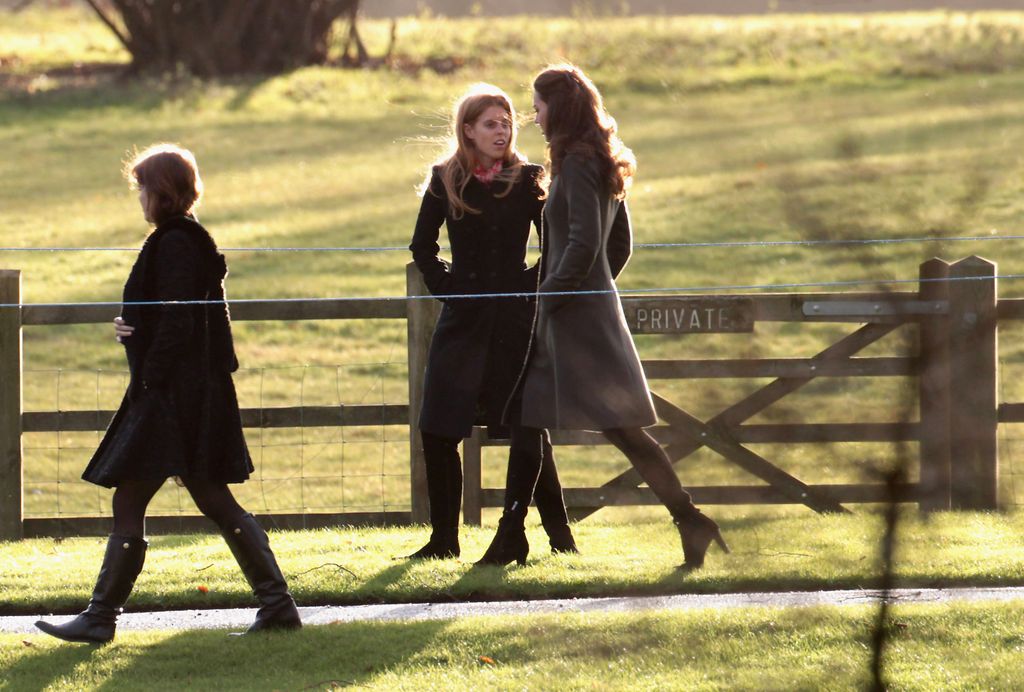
[(121, 330)]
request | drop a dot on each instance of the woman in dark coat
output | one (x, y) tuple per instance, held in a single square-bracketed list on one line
[(584, 372), (180, 415), (488, 197)]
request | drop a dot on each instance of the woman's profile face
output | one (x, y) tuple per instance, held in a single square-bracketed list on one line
[(540, 109), (144, 203), (491, 134)]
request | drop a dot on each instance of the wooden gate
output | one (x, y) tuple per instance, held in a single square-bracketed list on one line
[(954, 310)]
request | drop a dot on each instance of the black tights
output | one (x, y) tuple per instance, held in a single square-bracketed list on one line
[(653, 465), (132, 498)]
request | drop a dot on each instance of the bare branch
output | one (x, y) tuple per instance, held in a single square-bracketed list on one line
[(110, 24)]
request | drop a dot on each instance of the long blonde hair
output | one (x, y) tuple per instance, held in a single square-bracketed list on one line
[(457, 164)]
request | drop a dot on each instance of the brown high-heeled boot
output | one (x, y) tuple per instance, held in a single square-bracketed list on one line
[(697, 531)]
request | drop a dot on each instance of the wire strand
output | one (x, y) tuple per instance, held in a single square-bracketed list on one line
[(531, 294), (638, 246)]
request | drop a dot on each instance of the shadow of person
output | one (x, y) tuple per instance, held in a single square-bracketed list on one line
[(317, 657), (47, 662)]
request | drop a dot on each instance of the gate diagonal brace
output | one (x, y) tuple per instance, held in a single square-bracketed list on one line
[(751, 462), (746, 408)]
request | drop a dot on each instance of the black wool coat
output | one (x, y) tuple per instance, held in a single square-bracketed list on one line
[(180, 414), (479, 344)]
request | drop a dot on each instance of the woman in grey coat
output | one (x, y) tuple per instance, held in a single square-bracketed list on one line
[(583, 372)]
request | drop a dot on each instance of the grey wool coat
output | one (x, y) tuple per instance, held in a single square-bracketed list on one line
[(584, 372)]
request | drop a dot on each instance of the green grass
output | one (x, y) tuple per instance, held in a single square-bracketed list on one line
[(777, 128), (957, 647), (772, 550)]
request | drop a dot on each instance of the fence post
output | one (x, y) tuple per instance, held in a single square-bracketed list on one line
[(974, 462), (934, 390), (472, 448), (421, 315), (11, 502)]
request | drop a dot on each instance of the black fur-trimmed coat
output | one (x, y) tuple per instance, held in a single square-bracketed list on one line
[(180, 414)]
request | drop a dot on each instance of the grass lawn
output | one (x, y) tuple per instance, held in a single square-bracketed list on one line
[(772, 550), (746, 129), (958, 647)]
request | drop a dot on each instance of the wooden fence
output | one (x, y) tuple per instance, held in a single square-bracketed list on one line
[(956, 312), (955, 309)]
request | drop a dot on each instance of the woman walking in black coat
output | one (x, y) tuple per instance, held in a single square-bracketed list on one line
[(180, 415), (584, 372), (488, 197)]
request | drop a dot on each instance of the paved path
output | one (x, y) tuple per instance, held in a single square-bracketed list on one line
[(236, 618)]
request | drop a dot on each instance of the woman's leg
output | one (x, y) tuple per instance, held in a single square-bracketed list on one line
[(131, 498), (651, 462), (214, 500), (251, 547), (550, 502), (524, 462), (695, 529), (122, 562), (444, 493)]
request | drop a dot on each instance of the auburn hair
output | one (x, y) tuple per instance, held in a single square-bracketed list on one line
[(457, 164), (170, 175), (577, 123)]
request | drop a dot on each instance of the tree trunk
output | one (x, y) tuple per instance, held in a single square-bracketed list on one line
[(224, 37)]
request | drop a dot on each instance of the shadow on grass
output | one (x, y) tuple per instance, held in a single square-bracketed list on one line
[(45, 667), (312, 658), (377, 586)]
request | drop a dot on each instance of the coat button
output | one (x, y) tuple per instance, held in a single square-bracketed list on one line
[(238, 531), (125, 546)]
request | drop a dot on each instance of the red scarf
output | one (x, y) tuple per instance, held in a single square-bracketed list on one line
[(486, 175)]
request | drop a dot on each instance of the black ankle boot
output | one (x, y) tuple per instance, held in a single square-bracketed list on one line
[(251, 547), (697, 531), (441, 546), (509, 543), (122, 563)]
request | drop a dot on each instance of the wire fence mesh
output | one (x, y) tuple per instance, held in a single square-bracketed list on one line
[(300, 469)]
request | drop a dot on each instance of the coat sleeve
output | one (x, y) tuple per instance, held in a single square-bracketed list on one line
[(537, 218), (177, 278), (620, 241), (436, 272), (580, 184)]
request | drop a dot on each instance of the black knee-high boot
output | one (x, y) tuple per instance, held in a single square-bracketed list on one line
[(250, 545), (122, 563), (444, 492), (524, 462), (551, 504)]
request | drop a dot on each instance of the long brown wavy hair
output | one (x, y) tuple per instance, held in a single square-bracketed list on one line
[(458, 162), (577, 123)]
